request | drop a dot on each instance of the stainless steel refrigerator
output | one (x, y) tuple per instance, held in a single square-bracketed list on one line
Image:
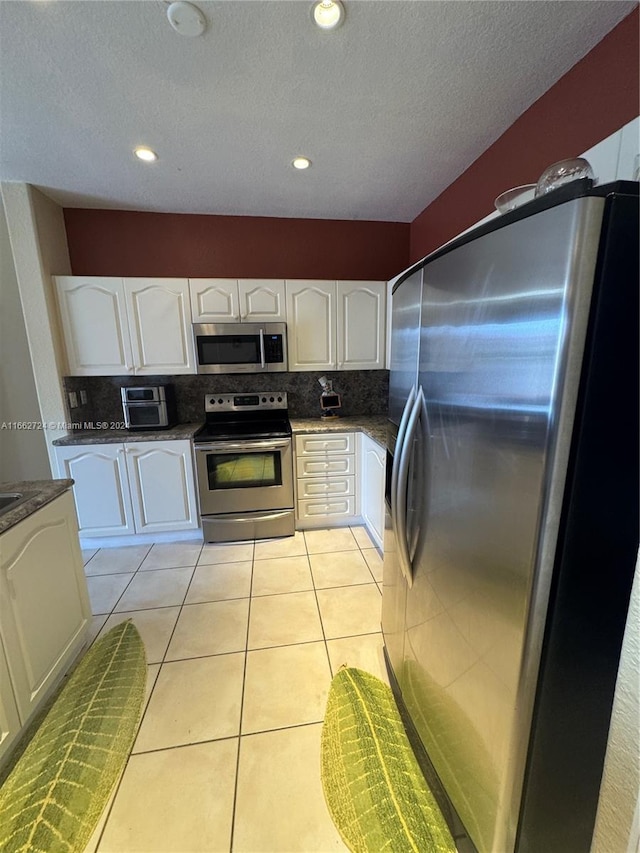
[(512, 524)]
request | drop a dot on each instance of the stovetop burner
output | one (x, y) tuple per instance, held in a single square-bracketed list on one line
[(244, 416)]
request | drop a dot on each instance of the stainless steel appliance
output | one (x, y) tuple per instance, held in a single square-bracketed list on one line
[(244, 467), (149, 407), (512, 534), (241, 347)]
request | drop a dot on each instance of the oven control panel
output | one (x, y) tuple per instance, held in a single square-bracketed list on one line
[(262, 401)]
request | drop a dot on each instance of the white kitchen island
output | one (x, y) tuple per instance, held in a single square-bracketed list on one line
[(44, 604)]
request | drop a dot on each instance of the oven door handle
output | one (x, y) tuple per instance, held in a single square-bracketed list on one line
[(263, 361), (268, 444)]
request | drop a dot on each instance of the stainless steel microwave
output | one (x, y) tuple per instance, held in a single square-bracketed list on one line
[(240, 347)]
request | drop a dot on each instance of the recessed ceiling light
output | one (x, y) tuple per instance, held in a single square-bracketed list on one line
[(144, 153), (328, 14), (301, 162), (186, 19)]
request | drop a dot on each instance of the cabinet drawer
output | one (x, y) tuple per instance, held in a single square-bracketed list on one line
[(316, 487), (325, 466), (326, 508), (325, 443)]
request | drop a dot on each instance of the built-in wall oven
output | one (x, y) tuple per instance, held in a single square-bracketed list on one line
[(244, 467)]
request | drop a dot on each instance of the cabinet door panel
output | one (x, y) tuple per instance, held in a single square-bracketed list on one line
[(101, 488), (9, 719), (311, 314), (323, 443), (162, 486), (361, 325), (94, 321), (159, 315), (45, 606), (316, 487), (324, 466), (326, 508), (373, 470), (262, 300), (214, 300)]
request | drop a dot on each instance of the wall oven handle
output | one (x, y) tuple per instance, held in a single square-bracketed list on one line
[(401, 497), (267, 444), (263, 361)]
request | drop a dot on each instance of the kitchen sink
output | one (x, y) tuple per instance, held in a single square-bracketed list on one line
[(10, 500)]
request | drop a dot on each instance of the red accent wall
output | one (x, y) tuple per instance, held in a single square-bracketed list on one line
[(137, 243), (590, 102)]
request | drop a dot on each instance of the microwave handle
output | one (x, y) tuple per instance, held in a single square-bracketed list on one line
[(262, 356)]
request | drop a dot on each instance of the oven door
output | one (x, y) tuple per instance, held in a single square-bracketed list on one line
[(145, 415), (244, 476)]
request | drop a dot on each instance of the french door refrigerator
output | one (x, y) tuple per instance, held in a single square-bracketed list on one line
[(512, 535)]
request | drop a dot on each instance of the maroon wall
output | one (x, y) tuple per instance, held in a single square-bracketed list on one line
[(118, 242), (590, 102)]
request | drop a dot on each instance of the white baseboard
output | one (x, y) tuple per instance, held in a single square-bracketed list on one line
[(141, 539)]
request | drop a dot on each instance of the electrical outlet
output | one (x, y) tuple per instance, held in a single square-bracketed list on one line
[(73, 400), (83, 398)]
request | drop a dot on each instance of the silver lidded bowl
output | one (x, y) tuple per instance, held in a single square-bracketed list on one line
[(563, 172)]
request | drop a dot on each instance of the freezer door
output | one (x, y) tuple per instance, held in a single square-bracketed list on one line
[(405, 342), (503, 326)]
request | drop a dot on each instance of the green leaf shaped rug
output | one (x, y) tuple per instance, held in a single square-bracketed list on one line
[(374, 788), (54, 796)]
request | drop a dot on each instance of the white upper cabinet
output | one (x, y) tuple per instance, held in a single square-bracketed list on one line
[(94, 321), (361, 325), (311, 309), (232, 300), (214, 300), (336, 325), (158, 310), (115, 326), (262, 300)]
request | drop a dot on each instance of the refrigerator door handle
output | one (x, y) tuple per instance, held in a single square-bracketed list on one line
[(401, 490), (406, 412)]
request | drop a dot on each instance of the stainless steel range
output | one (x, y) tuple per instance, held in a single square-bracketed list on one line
[(244, 467)]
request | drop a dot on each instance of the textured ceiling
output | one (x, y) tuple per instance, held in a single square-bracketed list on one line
[(390, 108)]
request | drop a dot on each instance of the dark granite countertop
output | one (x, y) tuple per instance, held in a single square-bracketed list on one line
[(115, 436), (39, 492), (375, 426)]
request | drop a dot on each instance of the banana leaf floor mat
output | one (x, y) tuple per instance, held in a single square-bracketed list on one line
[(375, 791), (52, 799)]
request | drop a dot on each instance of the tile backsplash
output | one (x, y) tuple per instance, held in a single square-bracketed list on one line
[(363, 392)]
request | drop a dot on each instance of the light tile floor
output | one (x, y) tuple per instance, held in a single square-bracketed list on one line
[(242, 641)]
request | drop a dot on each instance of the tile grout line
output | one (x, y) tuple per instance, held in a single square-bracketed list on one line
[(244, 681), (116, 788), (146, 704)]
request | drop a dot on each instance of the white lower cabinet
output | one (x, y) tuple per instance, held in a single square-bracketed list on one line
[(340, 479), (142, 487), (9, 718), (44, 610), (326, 479), (372, 481), (162, 486), (101, 488)]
